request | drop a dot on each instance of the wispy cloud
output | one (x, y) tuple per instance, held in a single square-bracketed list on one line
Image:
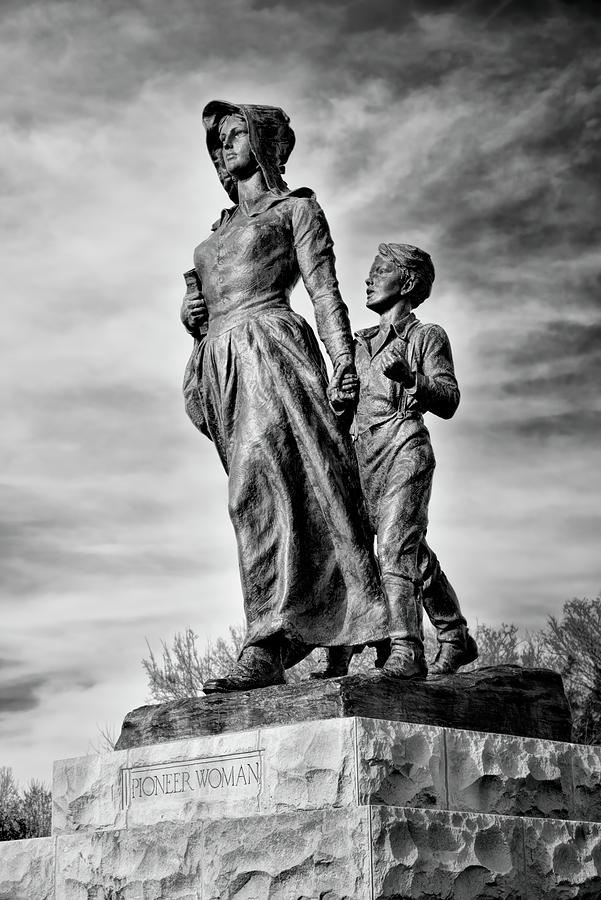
[(20, 694)]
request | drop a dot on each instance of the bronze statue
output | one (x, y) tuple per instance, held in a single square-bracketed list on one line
[(405, 369), (256, 385)]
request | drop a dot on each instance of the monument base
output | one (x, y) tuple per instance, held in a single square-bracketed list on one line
[(350, 807)]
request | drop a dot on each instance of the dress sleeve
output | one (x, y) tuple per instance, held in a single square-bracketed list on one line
[(316, 261), (435, 387)]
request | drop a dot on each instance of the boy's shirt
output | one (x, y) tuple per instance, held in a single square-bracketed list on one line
[(428, 352)]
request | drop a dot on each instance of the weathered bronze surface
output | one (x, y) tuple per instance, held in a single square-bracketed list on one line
[(502, 700), (256, 385)]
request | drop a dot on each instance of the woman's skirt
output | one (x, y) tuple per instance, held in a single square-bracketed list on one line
[(305, 552)]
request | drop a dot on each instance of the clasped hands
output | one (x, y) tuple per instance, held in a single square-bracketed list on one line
[(343, 389)]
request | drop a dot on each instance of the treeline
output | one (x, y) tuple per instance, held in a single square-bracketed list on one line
[(570, 644), (25, 814)]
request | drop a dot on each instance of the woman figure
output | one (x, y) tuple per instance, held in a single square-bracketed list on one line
[(256, 385)]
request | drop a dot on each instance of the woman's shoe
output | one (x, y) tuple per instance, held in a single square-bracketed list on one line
[(257, 667)]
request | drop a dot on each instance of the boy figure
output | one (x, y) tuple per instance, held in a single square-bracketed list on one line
[(405, 368)]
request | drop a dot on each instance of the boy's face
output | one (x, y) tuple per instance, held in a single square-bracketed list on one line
[(384, 284)]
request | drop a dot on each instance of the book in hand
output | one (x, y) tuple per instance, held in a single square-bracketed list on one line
[(194, 312), (193, 286)]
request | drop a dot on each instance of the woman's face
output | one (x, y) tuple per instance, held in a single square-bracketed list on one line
[(237, 154)]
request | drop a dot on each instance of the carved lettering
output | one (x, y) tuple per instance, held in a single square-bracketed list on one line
[(148, 791), (201, 777), (215, 776), (207, 778)]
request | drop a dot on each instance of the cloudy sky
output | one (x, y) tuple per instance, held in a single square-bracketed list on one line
[(471, 129)]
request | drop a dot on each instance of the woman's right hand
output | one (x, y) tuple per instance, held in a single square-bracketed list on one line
[(194, 314)]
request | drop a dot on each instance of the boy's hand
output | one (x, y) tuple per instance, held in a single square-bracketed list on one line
[(395, 366)]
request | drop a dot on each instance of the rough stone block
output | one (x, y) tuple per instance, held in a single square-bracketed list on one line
[(308, 766), (498, 773), (308, 855), (157, 862), (27, 869), (305, 766), (86, 793), (400, 764), (586, 766), (424, 854), (563, 859), (290, 855)]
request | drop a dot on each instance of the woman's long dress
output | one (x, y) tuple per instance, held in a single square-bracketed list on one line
[(256, 385)]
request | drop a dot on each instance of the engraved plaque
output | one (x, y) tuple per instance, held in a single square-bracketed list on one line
[(213, 778)]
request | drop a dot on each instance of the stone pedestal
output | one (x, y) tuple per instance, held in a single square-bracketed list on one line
[(500, 699), (344, 807)]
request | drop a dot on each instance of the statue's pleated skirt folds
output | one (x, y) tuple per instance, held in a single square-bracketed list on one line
[(306, 563)]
